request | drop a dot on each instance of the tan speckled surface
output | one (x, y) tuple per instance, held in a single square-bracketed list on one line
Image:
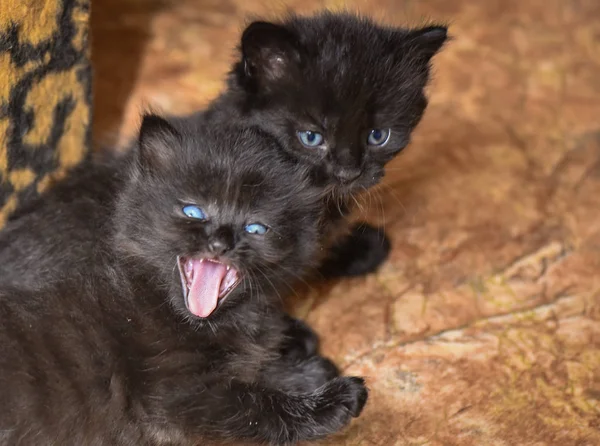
[(483, 328)]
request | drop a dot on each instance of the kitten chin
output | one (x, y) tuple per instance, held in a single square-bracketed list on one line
[(342, 95)]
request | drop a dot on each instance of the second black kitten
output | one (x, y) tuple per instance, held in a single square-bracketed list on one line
[(342, 95), (170, 331)]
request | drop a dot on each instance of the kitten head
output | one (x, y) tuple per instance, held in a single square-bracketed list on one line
[(339, 92), (217, 214)]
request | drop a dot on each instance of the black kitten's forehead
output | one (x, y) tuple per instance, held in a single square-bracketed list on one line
[(345, 116), (233, 194), (345, 100), (227, 188), (340, 33), (355, 62)]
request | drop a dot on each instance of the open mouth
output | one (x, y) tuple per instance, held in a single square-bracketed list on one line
[(205, 283)]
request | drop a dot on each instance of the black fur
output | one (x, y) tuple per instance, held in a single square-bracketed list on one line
[(339, 75), (361, 252), (98, 346)]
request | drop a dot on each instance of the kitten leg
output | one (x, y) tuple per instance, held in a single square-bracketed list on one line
[(300, 340), (362, 252), (240, 411), (299, 375), (299, 368)]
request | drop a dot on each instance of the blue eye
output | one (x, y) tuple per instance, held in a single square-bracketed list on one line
[(310, 139), (378, 137), (194, 212), (256, 228)]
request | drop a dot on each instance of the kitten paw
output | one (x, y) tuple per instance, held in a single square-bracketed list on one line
[(333, 406), (347, 393), (362, 252), (315, 415)]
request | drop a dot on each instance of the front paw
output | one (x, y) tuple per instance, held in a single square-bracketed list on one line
[(362, 252), (316, 415), (346, 396)]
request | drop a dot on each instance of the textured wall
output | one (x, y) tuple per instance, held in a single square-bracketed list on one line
[(45, 92)]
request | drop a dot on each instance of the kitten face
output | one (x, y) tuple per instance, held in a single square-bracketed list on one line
[(218, 214), (340, 93)]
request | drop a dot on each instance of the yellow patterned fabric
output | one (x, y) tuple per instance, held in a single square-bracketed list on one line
[(45, 95)]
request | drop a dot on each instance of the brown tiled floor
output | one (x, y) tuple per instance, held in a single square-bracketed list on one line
[(483, 328)]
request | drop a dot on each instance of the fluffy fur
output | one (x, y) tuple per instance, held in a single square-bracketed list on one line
[(99, 347), (341, 76)]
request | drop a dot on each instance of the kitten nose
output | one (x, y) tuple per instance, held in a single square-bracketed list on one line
[(221, 241), (347, 175)]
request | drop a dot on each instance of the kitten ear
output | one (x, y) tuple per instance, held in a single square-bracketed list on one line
[(156, 142), (270, 52), (428, 41)]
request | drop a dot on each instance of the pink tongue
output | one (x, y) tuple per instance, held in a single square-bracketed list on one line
[(206, 283)]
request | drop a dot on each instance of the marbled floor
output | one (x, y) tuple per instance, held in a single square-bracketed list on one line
[(483, 328)]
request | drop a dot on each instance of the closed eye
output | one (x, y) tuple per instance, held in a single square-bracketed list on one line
[(194, 212), (256, 228)]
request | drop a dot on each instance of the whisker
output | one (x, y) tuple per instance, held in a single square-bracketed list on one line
[(383, 219), (272, 284), (255, 288), (392, 193), (357, 203), (289, 272)]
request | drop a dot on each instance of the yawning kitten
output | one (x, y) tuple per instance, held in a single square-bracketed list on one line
[(342, 95), (168, 330)]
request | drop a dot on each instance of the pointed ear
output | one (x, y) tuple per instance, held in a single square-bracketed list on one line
[(427, 41), (157, 141), (270, 53)]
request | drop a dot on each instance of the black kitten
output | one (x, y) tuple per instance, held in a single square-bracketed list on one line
[(342, 95), (170, 332), (53, 237)]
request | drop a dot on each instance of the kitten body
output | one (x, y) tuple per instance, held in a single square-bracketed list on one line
[(110, 349), (342, 95), (53, 236)]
